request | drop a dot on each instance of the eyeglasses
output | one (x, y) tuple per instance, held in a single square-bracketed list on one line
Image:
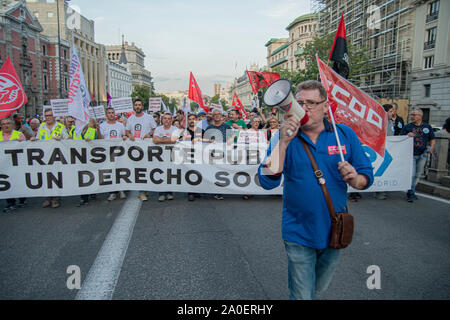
[(310, 104), (415, 114)]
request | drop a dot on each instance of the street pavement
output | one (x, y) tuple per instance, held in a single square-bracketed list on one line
[(218, 249)]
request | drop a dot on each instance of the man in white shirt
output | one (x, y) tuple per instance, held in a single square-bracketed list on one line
[(113, 129), (167, 134), (140, 126)]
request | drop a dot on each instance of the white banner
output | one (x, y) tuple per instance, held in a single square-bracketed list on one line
[(79, 98), (60, 107), (71, 167), (394, 171), (154, 104), (122, 105)]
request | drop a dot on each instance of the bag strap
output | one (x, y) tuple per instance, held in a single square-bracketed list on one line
[(320, 179)]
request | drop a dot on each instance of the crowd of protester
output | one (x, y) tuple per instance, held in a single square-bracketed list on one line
[(215, 126)]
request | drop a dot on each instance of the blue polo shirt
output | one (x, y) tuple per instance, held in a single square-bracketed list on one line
[(306, 219)]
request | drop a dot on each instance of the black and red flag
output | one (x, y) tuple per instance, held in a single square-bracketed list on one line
[(339, 53), (261, 79)]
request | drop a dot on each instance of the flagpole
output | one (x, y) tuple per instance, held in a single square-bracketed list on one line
[(325, 84)]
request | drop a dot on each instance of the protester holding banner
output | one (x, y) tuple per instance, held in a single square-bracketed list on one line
[(21, 126), (423, 135), (166, 134), (51, 129), (112, 129), (218, 131), (140, 125), (7, 133), (181, 118), (89, 133), (306, 223), (236, 123), (34, 125)]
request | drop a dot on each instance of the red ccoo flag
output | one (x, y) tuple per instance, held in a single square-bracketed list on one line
[(238, 106), (261, 79), (12, 95), (339, 52), (355, 109), (195, 94)]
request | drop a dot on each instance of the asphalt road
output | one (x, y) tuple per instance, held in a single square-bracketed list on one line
[(212, 249)]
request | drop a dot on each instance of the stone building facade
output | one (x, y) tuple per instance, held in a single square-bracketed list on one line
[(430, 74), (34, 56), (284, 52)]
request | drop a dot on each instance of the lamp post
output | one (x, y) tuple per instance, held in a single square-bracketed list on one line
[(59, 52)]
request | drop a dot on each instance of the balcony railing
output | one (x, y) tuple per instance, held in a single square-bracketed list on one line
[(429, 45), (432, 17)]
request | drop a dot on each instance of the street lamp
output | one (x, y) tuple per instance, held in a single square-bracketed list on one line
[(59, 51)]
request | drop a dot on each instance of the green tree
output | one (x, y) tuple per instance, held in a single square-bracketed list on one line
[(215, 99), (143, 93), (359, 59)]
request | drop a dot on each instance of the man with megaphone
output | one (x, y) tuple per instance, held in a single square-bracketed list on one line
[(308, 152)]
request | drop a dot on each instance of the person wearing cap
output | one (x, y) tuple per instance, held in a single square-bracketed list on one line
[(204, 120)]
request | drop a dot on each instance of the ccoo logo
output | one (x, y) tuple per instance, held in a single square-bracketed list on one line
[(11, 95)]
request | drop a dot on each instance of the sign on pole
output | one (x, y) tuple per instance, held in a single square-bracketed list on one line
[(154, 104), (60, 107), (97, 112), (122, 105)]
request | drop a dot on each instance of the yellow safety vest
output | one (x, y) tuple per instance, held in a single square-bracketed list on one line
[(15, 135), (89, 134), (56, 132)]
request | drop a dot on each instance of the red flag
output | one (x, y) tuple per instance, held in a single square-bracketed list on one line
[(195, 94), (12, 95), (261, 79), (238, 106), (355, 109), (339, 52)]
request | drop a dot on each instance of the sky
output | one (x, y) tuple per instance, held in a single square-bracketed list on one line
[(207, 37)]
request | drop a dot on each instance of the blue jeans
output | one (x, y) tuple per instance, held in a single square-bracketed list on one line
[(309, 270), (418, 167)]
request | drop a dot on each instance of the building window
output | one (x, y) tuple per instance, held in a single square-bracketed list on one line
[(65, 53), (45, 82), (428, 62), (434, 7), (44, 50), (50, 14), (44, 65), (433, 11), (65, 68), (36, 14), (427, 90), (431, 34), (431, 39)]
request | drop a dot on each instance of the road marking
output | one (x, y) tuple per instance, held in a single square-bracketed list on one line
[(433, 197), (102, 278)]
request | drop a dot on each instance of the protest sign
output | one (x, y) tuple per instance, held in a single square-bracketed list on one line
[(97, 112), (122, 105), (154, 104), (60, 107)]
